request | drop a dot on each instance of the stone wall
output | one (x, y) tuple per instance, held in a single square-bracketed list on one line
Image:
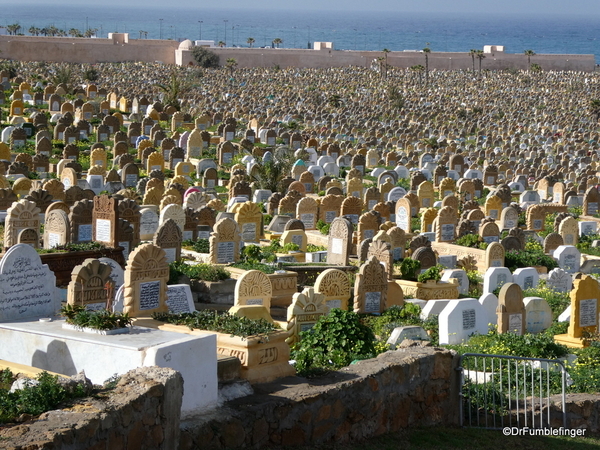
[(119, 48), (411, 387), (142, 412)]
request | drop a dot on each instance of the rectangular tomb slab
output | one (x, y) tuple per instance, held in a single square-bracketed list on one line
[(46, 345)]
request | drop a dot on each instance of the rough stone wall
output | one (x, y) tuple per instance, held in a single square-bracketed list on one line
[(142, 412), (410, 387), (117, 49)]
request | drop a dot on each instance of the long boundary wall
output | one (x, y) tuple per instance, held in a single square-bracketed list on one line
[(119, 48)]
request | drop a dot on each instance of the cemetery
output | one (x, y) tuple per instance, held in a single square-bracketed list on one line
[(237, 244)]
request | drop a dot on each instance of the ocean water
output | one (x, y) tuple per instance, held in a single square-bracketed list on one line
[(347, 30)]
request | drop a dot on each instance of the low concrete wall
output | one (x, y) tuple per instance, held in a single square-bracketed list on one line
[(120, 48), (411, 387), (142, 412), (87, 50)]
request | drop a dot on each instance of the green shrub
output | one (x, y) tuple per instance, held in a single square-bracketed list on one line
[(198, 245), (333, 342), (433, 273), (101, 319), (34, 399), (323, 227), (220, 322), (203, 272), (409, 269), (515, 259)]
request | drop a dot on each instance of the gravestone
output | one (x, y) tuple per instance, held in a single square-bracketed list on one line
[(584, 313), (225, 242), (104, 220), (496, 277), (559, 280), (339, 242), (146, 276), (568, 257), (461, 276), (306, 309), (91, 285), (370, 288), (511, 310), (253, 288), (168, 237), (57, 230), (179, 299), (538, 314), (28, 286), (22, 215), (459, 320), (526, 278), (335, 286)]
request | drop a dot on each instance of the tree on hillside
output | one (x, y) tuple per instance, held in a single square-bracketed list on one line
[(385, 63), (205, 58), (231, 64), (13, 29), (250, 41), (277, 42), (90, 32), (480, 56), (473, 53), (418, 69), (529, 54), (427, 51)]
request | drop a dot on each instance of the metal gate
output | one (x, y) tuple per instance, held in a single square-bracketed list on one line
[(498, 391)]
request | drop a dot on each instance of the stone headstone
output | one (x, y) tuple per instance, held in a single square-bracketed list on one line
[(28, 286)]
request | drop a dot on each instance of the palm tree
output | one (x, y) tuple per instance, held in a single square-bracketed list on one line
[(231, 64), (92, 32), (473, 53), (74, 32), (221, 44), (427, 51), (250, 41), (595, 108), (13, 29), (529, 54), (34, 31), (480, 56), (418, 69), (384, 70), (277, 42), (44, 31)]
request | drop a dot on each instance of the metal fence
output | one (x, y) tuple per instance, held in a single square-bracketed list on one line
[(498, 391)]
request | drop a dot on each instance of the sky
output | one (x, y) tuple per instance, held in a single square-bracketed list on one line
[(486, 7)]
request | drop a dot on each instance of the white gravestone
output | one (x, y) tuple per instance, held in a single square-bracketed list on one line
[(568, 257), (28, 286), (538, 314), (459, 320), (526, 277), (461, 276), (179, 299), (495, 277)]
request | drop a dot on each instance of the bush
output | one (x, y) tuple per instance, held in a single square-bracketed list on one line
[(409, 269), (199, 245), (203, 272), (516, 259), (333, 342), (205, 58), (223, 323), (33, 399)]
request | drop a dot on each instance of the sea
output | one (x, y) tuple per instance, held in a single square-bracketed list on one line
[(348, 30)]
